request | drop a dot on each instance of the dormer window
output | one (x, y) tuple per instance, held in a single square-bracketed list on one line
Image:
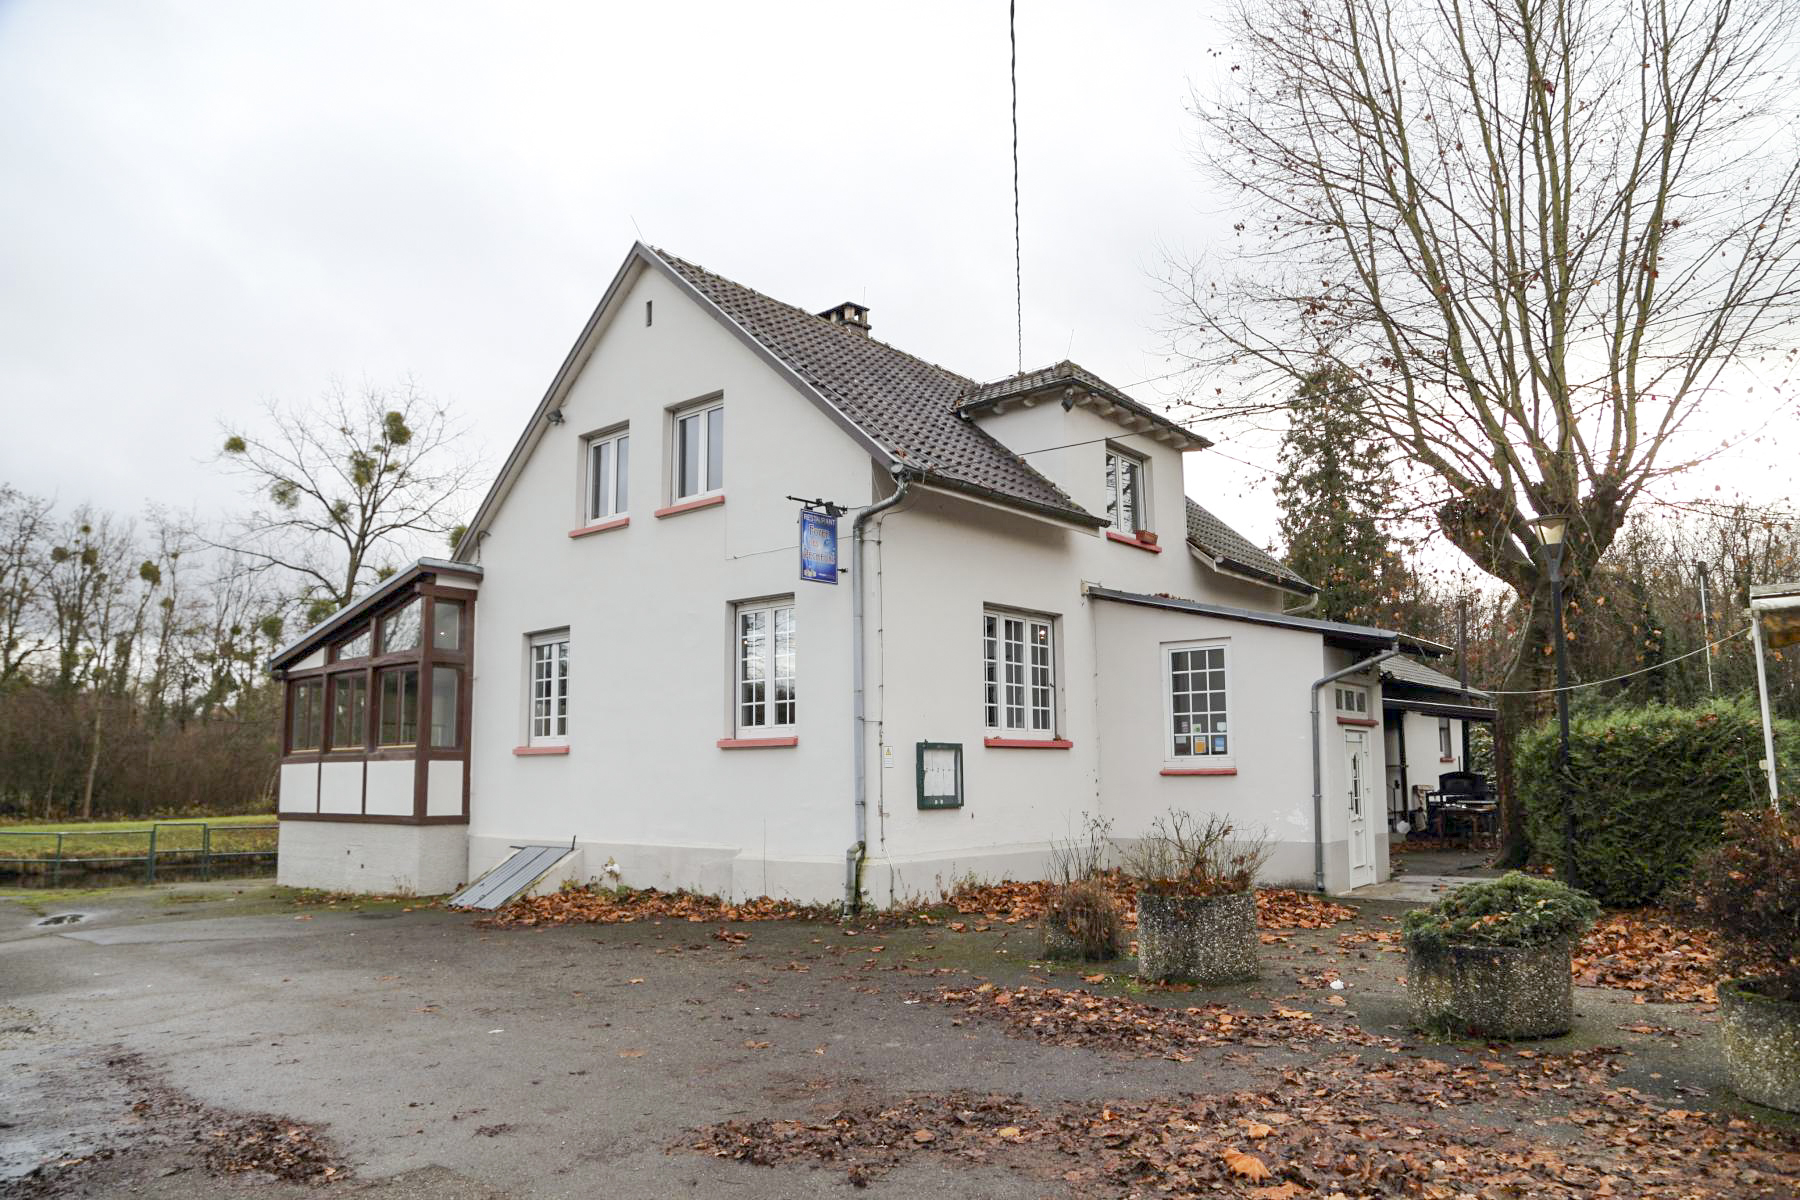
[(1125, 510)]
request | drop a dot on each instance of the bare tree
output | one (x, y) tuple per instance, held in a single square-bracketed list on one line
[(346, 484), (1534, 233), (23, 561), (101, 602)]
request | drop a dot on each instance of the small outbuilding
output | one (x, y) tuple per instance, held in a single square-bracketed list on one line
[(1425, 718)]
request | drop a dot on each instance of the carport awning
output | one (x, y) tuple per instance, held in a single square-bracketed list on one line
[(1431, 708), (1336, 633)]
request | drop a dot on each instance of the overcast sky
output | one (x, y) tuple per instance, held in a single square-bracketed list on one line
[(206, 205)]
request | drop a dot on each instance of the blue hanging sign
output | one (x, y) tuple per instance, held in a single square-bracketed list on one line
[(818, 546)]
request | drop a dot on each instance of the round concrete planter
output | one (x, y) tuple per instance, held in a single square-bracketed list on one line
[(1762, 1045), (1199, 939), (1504, 992)]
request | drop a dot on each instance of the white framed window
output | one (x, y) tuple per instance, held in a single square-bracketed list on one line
[(765, 699), (1125, 510), (608, 476), (1444, 750), (698, 445), (1352, 701), (547, 714), (1018, 674), (1197, 676)]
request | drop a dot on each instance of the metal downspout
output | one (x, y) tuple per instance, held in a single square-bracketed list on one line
[(860, 748), (1317, 757), (1312, 602)]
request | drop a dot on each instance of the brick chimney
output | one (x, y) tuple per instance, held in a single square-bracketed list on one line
[(850, 315)]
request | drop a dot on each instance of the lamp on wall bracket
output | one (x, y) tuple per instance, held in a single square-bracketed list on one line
[(554, 416)]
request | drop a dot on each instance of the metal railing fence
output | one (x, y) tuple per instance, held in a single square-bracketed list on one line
[(51, 857)]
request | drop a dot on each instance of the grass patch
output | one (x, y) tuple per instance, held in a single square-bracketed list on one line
[(349, 901), (130, 839)]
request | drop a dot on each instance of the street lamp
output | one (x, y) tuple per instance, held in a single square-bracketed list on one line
[(1551, 529)]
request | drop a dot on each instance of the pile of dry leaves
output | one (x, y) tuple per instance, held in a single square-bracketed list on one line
[(578, 906), (170, 1126), (1284, 908), (1653, 953), (1341, 1128), (1010, 903), (1078, 1018), (1006, 903)]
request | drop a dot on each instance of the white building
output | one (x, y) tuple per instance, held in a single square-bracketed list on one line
[(1039, 624)]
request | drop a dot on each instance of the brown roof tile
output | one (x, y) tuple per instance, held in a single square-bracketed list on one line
[(903, 403), (1221, 542)]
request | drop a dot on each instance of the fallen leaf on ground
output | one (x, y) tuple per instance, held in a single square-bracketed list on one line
[(1247, 1165)]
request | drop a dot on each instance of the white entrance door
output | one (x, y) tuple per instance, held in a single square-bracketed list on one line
[(1362, 835)]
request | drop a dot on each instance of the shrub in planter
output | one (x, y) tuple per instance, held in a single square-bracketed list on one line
[(1650, 786), (1491, 959), (1748, 889), (1082, 921), (1196, 903)]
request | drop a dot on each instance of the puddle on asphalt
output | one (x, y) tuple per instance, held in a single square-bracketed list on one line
[(61, 919)]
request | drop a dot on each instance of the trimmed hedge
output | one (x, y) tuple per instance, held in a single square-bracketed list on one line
[(1651, 786)]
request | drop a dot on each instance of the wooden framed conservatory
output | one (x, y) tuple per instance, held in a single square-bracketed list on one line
[(375, 716)]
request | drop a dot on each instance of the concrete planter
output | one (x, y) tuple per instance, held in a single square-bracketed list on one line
[(1762, 1045), (1203, 939), (1505, 992), (1060, 944)]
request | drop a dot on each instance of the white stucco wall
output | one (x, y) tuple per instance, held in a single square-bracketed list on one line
[(940, 563), (299, 788), (1424, 761), (1070, 449), (373, 857), (648, 608)]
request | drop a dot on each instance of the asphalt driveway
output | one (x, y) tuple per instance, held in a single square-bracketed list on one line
[(438, 1058)]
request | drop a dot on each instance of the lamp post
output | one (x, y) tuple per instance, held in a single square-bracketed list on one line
[(1551, 529), (1705, 626)]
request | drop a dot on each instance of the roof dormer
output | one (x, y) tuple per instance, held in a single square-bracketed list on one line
[(1071, 385)]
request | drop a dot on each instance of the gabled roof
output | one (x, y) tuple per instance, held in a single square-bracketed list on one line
[(1405, 670), (904, 404), (1235, 552), (902, 409), (1110, 401), (1336, 633)]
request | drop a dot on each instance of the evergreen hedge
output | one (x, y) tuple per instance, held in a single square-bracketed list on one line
[(1651, 786)]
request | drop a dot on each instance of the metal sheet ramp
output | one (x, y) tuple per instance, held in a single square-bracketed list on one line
[(518, 871)]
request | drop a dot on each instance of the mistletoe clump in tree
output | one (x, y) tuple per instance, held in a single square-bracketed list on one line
[(346, 485)]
